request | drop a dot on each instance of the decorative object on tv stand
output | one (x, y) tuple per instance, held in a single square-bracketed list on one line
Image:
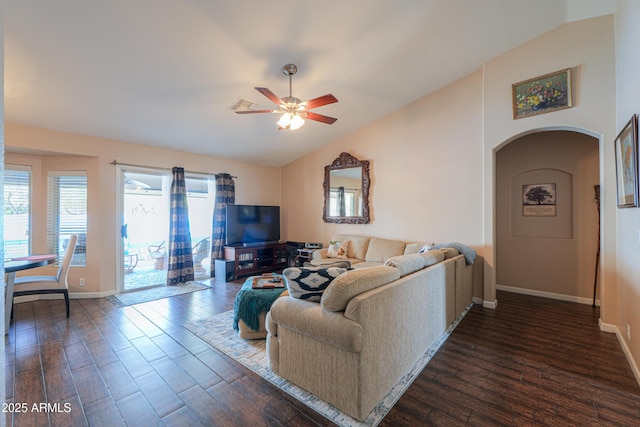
[(626, 147), (293, 111), (544, 94), (346, 191)]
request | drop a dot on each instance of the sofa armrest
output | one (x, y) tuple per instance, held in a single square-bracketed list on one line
[(346, 286), (310, 319)]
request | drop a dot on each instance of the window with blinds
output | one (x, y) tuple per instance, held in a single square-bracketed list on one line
[(67, 213), (17, 210)]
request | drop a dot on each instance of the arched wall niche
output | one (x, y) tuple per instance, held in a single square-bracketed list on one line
[(571, 291)]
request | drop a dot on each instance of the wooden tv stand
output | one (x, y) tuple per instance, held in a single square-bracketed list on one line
[(256, 259)]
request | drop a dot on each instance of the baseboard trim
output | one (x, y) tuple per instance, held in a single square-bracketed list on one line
[(477, 300), (561, 297), (29, 298), (87, 295), (607, 327), (490, 304)]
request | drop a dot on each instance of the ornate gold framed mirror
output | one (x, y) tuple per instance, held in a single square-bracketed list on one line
[(346, 190)]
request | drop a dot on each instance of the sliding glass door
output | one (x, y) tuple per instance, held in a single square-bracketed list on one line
[(144, 228), (201, 198), (145, 211)]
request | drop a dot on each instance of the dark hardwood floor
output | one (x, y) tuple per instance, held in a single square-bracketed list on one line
[(532, 361)]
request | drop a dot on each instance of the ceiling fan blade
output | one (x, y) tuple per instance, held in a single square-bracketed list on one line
[(257, 111), (320, 101), (320, 118), (272, 96)]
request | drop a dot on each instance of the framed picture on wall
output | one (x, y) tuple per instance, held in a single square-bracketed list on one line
[(539, 199), (626, 147), (544, 94)]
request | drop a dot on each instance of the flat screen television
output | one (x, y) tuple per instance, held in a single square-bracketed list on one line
[(251, 224)]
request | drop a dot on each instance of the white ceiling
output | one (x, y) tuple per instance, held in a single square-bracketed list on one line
[(166, 72)]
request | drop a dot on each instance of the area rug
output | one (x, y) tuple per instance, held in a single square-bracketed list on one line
[(218, 332), (146, 295)]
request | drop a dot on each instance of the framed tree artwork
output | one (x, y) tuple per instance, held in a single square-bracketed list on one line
[(539, 199), (626, 148)]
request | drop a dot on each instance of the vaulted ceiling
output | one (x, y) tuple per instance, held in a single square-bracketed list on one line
[(166, 72)]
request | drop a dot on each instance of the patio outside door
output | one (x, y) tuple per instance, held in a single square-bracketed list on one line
[(144, 228), (145, 209)]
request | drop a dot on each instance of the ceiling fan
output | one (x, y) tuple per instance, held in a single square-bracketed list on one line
[(293, 110)]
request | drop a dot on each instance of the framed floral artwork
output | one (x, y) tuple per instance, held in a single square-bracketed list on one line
[(544, 94), (626, 147)]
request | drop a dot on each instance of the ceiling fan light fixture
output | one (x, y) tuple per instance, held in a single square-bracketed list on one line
[(285, 120), (293, 110), (296, 122), (290, 121)]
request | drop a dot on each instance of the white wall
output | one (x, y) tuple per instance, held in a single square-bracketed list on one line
[(425, 174), (627, 220), (588, 48)]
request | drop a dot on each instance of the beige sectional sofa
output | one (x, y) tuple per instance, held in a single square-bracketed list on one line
[(366, 251), (371, 325)]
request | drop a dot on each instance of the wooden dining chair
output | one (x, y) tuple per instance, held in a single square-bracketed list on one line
[(36, 285)]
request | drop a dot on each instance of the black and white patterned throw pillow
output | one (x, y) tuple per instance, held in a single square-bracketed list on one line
[(310, 282)]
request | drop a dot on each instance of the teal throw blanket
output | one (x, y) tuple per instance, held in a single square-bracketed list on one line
[(251, 302)]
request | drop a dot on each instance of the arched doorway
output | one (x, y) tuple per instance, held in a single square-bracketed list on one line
[(547, 248)]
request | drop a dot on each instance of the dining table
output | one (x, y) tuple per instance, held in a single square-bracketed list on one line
[(11, 267)]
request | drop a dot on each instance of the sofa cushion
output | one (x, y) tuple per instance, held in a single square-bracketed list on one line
[(426, 247), (432, 257), (406, 264), (342, 263), (310, 282), (449, 252), (367, 264), (413, 248), (354, 282), (338, 249), (382, 249), (357, 245), (320, 258), (324, 262)]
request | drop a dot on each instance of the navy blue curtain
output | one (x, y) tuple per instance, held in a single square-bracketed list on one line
[(180, 269), (225, 195), (341, 202)]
